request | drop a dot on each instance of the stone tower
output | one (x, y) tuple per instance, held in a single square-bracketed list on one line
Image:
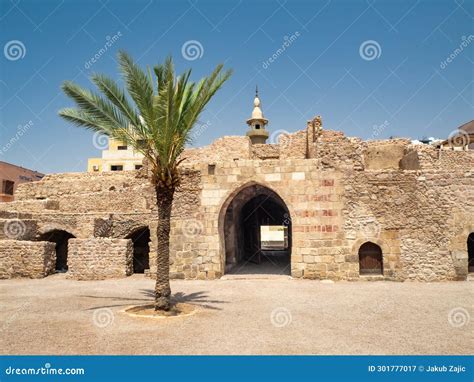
[(257, 132)]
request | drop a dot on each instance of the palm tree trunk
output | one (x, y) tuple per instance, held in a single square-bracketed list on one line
[(164, 198)]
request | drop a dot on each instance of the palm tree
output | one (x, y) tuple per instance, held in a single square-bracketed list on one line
[(157, 123)]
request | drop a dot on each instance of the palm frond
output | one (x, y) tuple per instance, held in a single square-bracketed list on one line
[(158, 122), (139, 87), (117, 96)]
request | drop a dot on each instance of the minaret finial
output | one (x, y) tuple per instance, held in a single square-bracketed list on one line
[(257, 122)]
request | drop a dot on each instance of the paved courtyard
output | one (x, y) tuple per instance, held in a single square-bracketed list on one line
[(237, 315)]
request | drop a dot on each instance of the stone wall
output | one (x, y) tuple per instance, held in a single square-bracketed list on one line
[(99, 258), (409, 214), (293, 145), (380, 155), (415, 215), (340, 192), (26, 259), (265, 151), (431, 158), (89, 192), (312, 196), (18, 227), (225, 148), (334, 150)]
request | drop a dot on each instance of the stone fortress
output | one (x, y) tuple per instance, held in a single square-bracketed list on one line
[(342, 209)]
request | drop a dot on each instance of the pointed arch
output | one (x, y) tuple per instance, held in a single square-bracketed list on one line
[(370, 259), (255, 231)]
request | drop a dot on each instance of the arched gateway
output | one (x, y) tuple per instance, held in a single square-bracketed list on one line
[(256, 232)]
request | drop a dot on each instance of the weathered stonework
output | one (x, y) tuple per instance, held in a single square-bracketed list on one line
[(99, 258), (413, 201), (26, 259)]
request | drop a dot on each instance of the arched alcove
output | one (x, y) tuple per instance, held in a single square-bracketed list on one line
[(370, 259)]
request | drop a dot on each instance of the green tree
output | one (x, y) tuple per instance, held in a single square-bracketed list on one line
[(156, 119)]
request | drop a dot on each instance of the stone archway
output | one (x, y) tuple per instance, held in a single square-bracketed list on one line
[(256, 232), (61, 239), (141, 249)]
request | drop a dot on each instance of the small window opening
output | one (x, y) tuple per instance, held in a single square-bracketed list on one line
[(8, 187)]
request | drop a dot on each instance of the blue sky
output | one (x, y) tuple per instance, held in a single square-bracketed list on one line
[(401, 84)]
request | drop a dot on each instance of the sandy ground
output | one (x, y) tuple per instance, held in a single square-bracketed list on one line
[(237, 316)]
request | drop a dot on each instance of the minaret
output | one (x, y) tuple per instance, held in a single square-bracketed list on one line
[(257, 132)]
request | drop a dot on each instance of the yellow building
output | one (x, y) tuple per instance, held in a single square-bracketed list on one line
[(118, 157)]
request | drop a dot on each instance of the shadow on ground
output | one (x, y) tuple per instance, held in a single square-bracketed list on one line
[(197, 298)]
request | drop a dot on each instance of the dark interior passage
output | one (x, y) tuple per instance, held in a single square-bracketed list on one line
[(141, 249), (60, 238), (257, 230), (470, 252)]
